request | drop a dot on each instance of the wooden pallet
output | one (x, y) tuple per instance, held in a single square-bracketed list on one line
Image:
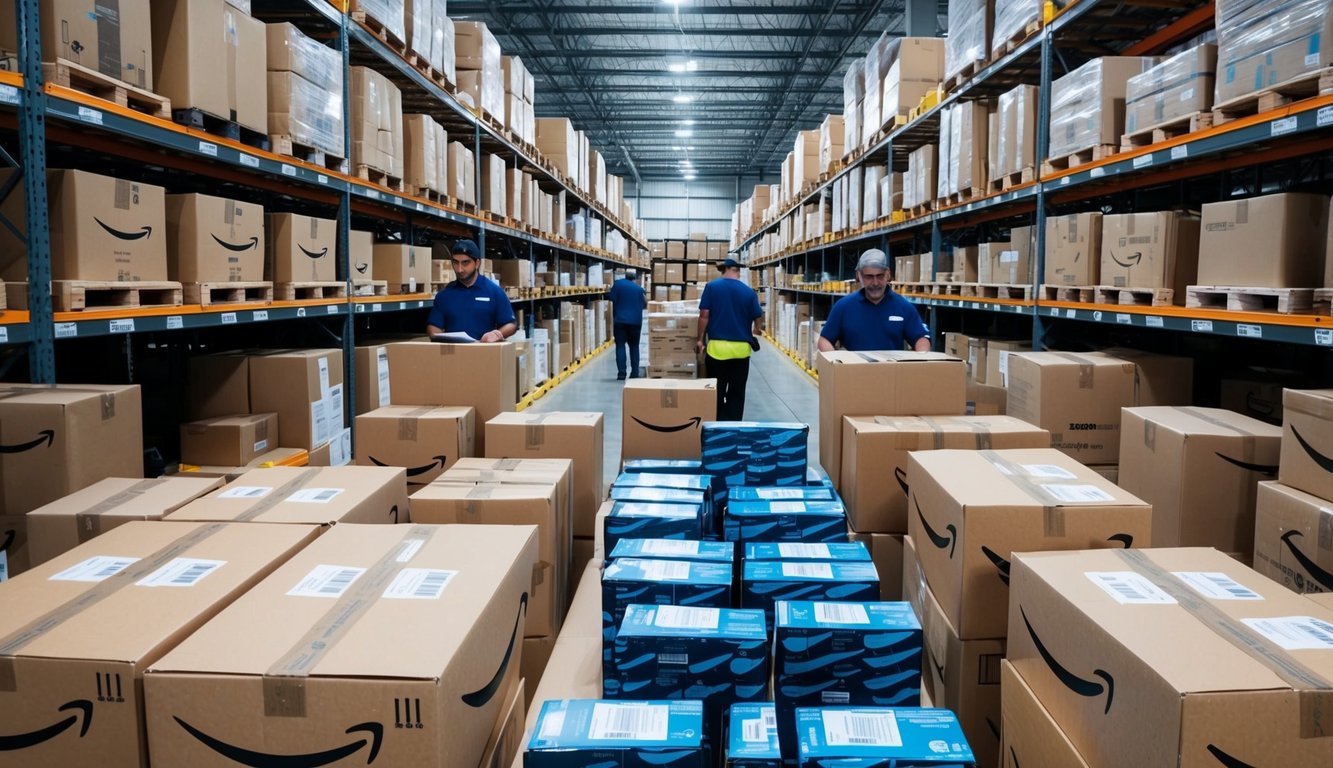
[(378, 29), (1016, 39), (371, 288), (1079, 294), (968, 71), (376, 176), (82, 295), (210, 294), (400, 289), (1008, 181), (426, 193), (67, 74), (1283, 301), (1167, 130), (1134, 297), (4, 300), (293, 147), (194, 117), (996, 291), (965, 196), (1274, 96), (313, 289), (917, 211), (1081, 157)]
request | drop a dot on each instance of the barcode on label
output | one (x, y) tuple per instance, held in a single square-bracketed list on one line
[(841, 613), (768, 494), (804, 551), (807, 570), (677, 617), (1129, 588), (326, 581), (4, 565), (1295, 633), (679, 659), (314, 495), (1048, 470), (1217, 586), (753, 731), (856, 728), (666, 570), (96, 568), (629, 722), (670, 547), (419, 584), (786, 507), (1076, 493), (245, 492), (252, 162), (181, 572)]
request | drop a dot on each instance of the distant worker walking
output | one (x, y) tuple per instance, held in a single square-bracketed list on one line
[(874, 317), (627, 303), (730, 319)]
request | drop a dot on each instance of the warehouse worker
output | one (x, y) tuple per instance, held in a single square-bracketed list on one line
[(627, 303), (730, 319), (874, 317), (472, 303)]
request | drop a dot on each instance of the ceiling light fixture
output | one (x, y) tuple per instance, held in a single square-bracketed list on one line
[(682, 98), (689, 176), (684, 133), (687, 122)]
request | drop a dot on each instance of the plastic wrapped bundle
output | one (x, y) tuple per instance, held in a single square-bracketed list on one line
[(1178, 87), (853, 91), (291, 51), (477, 50), (442, 52), (969, 35), (377, 122), (1087, 105), (311, 115), (1262, 43), (1016, 129), (916, 69), (388, 14), (422, 153), (1012, 17)]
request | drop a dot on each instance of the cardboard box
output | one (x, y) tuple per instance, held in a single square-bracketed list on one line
[(169, 578), (955, 344), (507, 737), (1199, 468), (889, 383), (971, 510), (300, 248), (61, 439), (1150, 250), (567, 435), (663, 418), (217, 385), (478, 375), (962, 675), (304, 387), (1176, 88), (1073, 248), (1281, 226), (114, 40), (987, 400), (214, 239), (1176, 619), (373, 385), (229, 440), (405, 267), (536, 653), (220, 74), (460, 661), (307, 495), (1260, 46), (893, 737), (425, 440), (1291, 544), (1257, 391), (1088, 104), (1077, 397), (997, 360), (875, 449), (572, 733), (1307, 441), (977, 367), (1028, 729)]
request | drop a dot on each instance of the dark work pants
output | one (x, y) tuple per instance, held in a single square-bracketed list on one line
[(731, 376), (627, 335)]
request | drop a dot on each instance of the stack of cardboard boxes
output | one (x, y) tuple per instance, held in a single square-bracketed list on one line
[(519, 88), (477, 59), (305, 90), (221, 75), (1293, 516), (1088, 105), (431, 36)]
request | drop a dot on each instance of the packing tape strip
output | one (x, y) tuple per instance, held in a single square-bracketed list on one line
[(1085, 368), (11, 644), (409, 426), (1249, 439), (277, 496), (1315, 692), (284, 682), (1053, 515), (534, 435), (89, 521)]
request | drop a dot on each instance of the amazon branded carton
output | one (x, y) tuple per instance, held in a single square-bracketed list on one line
[(1172, 657), (1029, 734), (399, 643), (1200, 469), (969, 511), (79, 631), (559, 434), (300, 248), (1150, 250), (483, 376), (663, 418), (423, 439), (1292, 545), (308, 495), (214, 239), (229, 440), (1307, 441)]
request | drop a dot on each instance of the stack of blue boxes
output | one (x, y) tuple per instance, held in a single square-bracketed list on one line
[(628, 734), (755, 453), (752, 737), (776, 571), (655, 487), (881, 737)]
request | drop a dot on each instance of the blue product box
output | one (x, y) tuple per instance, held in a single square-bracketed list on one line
[(702, 484), (629, 581), (716, 655), (815, 475), (665, 466), (756, 453), (576, 733), (881, 737), (782, 493), (752, 737), (764, 582), (652, 520), (675, 549), (810, 521), (849, 551)]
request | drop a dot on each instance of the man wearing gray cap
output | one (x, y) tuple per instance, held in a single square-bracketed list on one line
[(874, 317)]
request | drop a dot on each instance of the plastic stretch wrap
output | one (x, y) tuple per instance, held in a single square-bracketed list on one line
[(419, 19), (1085, 108), (947, 170), (422, 150), (442, 54), (291, 51), (476, 49), (1179, 86), (919, 184), (1017, 128), (916, 69), (870, 203), (968, 42), (1011, 17), (1262, 43), (830, 141), (853, 86), (309, 114), (389, 13)]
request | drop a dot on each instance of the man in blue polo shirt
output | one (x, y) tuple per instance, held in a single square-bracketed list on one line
[(627, 303), (729, 318), (874, 317), (472, 303)]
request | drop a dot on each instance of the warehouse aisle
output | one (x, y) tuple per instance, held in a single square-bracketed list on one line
[(777, 391)]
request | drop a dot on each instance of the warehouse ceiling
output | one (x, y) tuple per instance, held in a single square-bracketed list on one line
[(672, 88)]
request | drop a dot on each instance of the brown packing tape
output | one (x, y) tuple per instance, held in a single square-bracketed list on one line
[(534, 435), (89, 521), (1242, 212), (15, 641), (1249, 440), (195, 428), (669, 398), (284, 682), (936, 430), (261, 430), (1316, 693), (539, 570), (480, 492), (1150, 435), (507, 465), (1053, 516), (276, 496), (1086, 368), (1325, 535)]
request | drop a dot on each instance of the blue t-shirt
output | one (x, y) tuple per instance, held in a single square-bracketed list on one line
[(860, 326), (626, 302), (475, 311), (732, 309)]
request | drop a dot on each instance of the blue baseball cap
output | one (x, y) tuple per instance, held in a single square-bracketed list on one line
[(468, 248)]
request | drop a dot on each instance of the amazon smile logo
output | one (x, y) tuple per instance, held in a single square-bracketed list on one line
[(47, 436), (237, 247), (321, 253), (693, 422), (1324, 462), (1263, 469), (480, 697), (437, 461), (144, 231), (393, 513), (1130, 261), (939, 541), (1227, 760), (255, 759), (1004, 566), (1086, 688), (900, 475), (361, 268), (1320, 575), (9, 539), (33, 738)]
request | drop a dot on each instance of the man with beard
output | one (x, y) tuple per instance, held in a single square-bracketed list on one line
[(874, 317)]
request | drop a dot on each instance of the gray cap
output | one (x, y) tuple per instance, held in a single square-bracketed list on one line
[(873, 259)]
